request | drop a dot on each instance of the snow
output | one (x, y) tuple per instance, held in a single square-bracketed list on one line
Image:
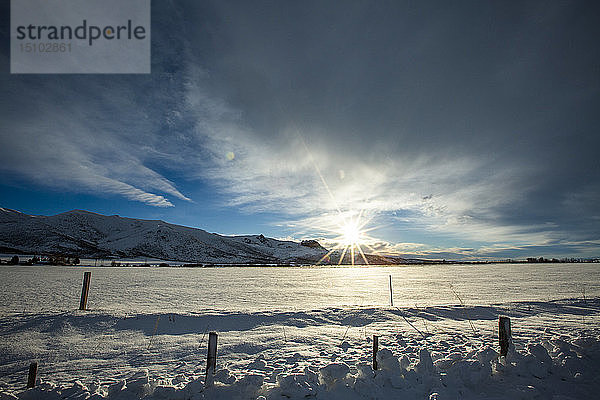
[(298, 350), (88, 234)]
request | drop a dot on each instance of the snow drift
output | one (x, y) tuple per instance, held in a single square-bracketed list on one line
[(311, 354)]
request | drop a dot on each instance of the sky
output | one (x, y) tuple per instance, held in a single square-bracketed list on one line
[(456, 130)]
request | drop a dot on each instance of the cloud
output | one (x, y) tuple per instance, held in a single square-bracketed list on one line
[(66, 153), (454, 123), (453, 127), (71, 133)]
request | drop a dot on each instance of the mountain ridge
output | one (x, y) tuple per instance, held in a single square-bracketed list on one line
[(87, 234)]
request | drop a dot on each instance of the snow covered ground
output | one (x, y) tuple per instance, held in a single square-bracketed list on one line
[(302, 332), (102, 236)]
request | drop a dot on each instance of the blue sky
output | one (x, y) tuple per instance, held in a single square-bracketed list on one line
[(459, 131)]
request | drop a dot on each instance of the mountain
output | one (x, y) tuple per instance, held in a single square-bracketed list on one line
[(89, 235)]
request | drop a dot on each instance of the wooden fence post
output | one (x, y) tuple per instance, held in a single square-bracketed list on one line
[(87, 276), (375, 349), (504, 334), (391, 295), (32, 374), (211, 360)]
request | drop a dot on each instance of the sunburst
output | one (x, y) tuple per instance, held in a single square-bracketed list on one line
[(350, 228), (350, 237)]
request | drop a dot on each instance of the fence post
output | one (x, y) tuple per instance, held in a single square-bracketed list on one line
[(375, 349), (32, 374), (504, 334), (87, 276), (211, 360), (391, 295)]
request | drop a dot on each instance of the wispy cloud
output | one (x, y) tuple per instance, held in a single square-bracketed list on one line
[(81, 141), (464, 197), (449, 137)]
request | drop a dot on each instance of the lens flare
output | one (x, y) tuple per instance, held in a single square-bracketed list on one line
[(349, 227), (351, 234)]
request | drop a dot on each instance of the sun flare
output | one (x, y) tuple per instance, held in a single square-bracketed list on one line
[(348, 226), (351, 239), (351, 234)]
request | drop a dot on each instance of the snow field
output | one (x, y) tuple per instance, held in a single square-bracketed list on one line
[(321, 353)]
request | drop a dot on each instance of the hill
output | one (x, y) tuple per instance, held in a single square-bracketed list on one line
[(89, 235)]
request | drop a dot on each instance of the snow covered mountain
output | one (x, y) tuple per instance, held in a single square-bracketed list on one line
[(90, 235)]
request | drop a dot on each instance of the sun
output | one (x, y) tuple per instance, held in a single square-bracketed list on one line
[(351, 238), (348, 226), (351, 234)]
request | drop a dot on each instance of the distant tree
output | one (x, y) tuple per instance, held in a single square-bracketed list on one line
[(14, 260), (76, 261), (57, 259)]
